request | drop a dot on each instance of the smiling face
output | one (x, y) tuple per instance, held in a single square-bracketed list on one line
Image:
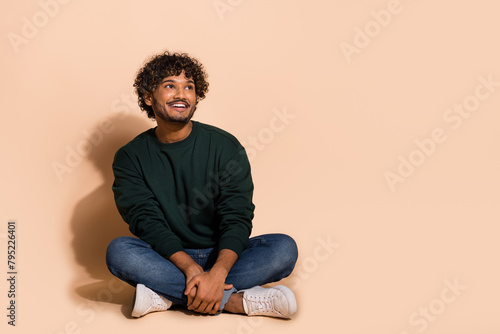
[(174, 99)]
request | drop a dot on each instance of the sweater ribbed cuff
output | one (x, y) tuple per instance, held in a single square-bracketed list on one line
[(234, 244), (168, 248)]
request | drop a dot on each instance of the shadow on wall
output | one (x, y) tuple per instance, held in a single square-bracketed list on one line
[(96, 221)]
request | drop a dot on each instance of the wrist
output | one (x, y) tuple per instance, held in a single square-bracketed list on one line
[(193, 270), (185, 264), (219, 271)]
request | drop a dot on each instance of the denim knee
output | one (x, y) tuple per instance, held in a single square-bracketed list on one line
[(290, 253), (116, 251), (285, 253)]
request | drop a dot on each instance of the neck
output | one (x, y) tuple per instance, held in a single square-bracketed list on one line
[(169, 132)]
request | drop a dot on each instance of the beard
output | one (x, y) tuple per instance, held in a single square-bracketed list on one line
[(174, 117), (177, 118)]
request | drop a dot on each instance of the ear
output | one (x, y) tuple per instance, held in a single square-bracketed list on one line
[(148, 99)]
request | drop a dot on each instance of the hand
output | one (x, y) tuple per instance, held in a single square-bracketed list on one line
[(190, 273), (205, 291)]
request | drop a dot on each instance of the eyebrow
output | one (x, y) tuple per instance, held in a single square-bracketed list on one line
[(170, 80)]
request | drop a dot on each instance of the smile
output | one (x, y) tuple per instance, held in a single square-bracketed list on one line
[(178, 105)]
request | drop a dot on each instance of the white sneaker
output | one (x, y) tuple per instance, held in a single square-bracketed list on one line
[(278, 301), (147, 301)]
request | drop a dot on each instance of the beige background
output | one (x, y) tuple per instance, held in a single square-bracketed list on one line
[(319, 175)]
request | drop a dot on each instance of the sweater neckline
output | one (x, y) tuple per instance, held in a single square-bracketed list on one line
[(178, 144)]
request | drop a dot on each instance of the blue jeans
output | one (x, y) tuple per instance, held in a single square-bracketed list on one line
[(267, 258)]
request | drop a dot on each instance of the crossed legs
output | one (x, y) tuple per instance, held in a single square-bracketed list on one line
[(267, 258)]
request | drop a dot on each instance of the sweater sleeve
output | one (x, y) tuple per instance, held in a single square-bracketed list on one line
[(235, 209), (139, 208)]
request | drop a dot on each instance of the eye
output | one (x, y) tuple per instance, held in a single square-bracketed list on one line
[(190, 87), (169, 86)]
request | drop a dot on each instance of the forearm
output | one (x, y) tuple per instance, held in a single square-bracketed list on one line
[(185, 264), (224, 263), (190, 268)]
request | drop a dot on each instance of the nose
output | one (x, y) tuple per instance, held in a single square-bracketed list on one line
[(179, 93)]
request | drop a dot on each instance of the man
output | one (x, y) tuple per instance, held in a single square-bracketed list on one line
[(185, 189)]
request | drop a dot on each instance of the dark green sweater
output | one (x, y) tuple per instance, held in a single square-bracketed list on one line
[(195, 193)]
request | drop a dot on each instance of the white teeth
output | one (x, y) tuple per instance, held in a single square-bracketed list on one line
[(178, 105)]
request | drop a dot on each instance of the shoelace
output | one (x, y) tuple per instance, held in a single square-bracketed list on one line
[(157, 303), (262, 304)]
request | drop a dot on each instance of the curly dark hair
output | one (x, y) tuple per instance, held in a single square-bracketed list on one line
[(164, 65)]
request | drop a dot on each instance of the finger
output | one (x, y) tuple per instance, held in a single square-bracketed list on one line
[(227, 286), (195, 304), (189, 285), (216, 308), (191, 296), (203, 308), (211, 308)]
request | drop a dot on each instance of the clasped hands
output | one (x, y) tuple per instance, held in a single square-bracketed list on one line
[(205, 289)]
